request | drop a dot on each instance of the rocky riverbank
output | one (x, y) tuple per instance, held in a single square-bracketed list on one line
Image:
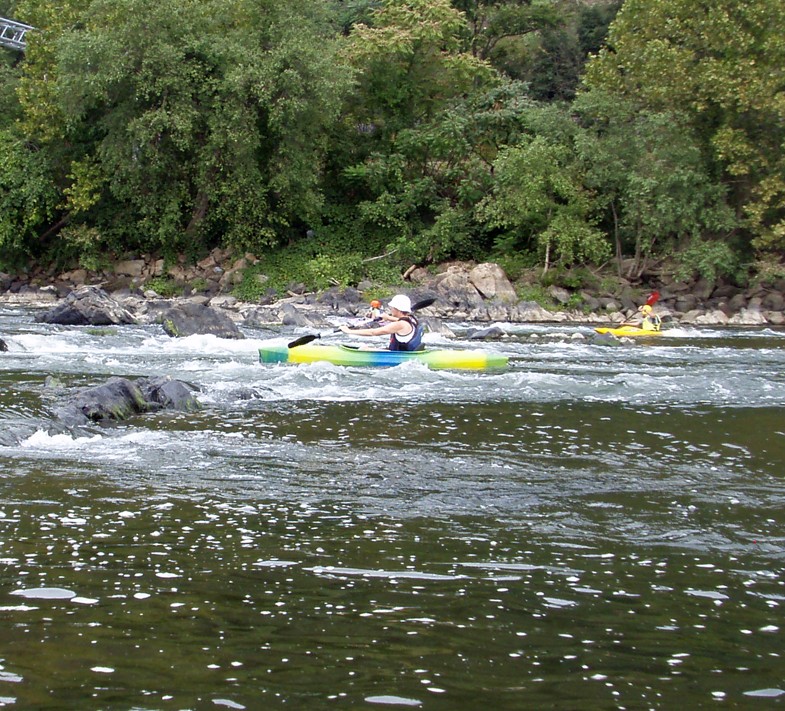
[(462, 291)]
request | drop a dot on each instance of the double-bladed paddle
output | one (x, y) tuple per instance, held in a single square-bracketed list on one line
[(302, 340)]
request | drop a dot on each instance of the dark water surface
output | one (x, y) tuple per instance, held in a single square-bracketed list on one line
[(595, 528)]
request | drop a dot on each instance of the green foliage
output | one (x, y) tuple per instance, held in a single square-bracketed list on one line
[(534, 292), (199, 284), (768, 269), (538, 293), (85, 245), (10, 110), (515, 263), (342, 253), (709, 259), (85, 186), (28, 197), (324, 270), (554, 73), (367, 135), (574, 279), (426, 186), (254, 284), (188, 123), (593, 23), (164, 286), (717, 62), (649, 174), (449, 236), (278, 269), (499, 31), (538, 200), (424, 165), (382, 293), (410, 63)]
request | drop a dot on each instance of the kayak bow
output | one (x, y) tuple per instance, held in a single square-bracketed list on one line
[(345, 355)]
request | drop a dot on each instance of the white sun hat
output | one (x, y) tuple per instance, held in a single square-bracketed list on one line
[(401, 302)]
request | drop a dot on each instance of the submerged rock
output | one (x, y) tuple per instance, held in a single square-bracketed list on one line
[(608, 339), (120, 398), (486, 334), (168, 394)]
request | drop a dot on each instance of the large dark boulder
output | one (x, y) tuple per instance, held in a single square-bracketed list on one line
[(120, 398), (3, 345), (87, 306), (191, 318), (117, 399), (455, 289), (292, 316), (347, 300)]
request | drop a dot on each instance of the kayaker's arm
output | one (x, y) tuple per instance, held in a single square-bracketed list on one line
[(393, 327), (636, 319), (398, 324)]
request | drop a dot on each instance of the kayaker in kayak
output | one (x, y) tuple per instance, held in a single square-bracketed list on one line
[(648, 321), (373, 317), (375, 313), (405, 330)]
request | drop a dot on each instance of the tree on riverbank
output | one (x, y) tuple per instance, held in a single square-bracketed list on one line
[(346, 139), (718, 64), (176, 124)]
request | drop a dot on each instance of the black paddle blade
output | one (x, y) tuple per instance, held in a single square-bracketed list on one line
[(302, 340), (422, 304)]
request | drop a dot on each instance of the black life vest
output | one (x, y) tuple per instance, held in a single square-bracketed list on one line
[(414, 343)]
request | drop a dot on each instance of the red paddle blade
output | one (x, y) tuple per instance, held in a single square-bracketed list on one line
[(653, 298)]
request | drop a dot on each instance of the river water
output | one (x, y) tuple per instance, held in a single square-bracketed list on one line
[(596, 527)]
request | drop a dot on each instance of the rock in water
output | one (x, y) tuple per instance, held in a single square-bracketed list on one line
[(168, 394), (190, 318), (87, 306), (486, 334), (120, 398)]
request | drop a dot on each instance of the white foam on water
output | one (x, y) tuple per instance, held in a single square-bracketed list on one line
[(45, 441), (41, 345)]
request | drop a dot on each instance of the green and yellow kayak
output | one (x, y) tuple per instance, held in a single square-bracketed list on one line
[(439, 359), (629, 332)]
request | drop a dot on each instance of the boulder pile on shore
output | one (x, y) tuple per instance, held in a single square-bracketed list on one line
[(462, 292)]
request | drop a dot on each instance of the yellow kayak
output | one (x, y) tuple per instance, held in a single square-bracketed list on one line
[(629, 332)]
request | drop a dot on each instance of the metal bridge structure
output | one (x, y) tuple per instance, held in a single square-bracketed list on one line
[(12, 34)]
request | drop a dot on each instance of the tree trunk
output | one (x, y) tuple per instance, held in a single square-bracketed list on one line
[(616, 238)]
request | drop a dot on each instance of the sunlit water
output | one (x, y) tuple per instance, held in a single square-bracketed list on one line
[(596, 527)]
